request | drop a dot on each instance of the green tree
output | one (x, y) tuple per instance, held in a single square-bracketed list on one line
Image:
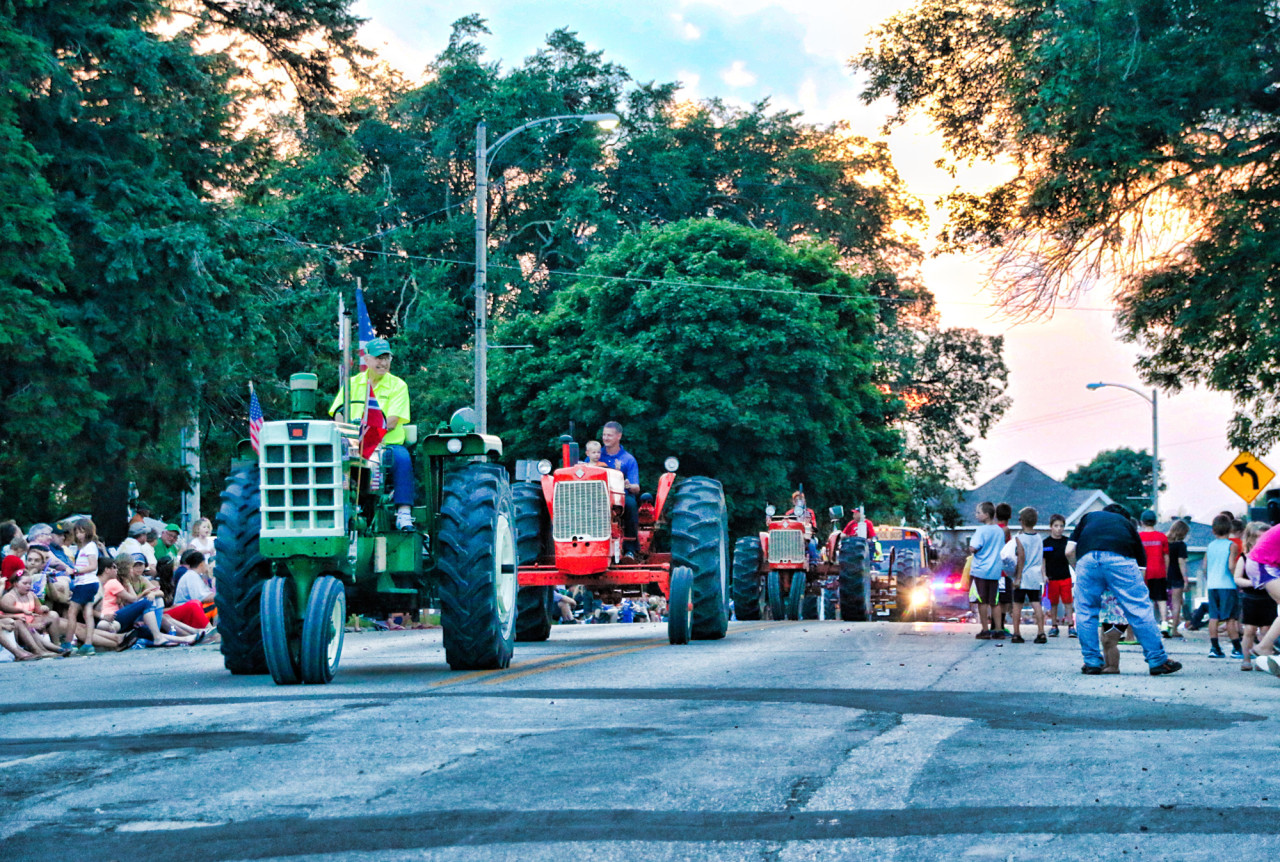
[(1123, 475), (128, 297), (698, 337), (1143, 140)]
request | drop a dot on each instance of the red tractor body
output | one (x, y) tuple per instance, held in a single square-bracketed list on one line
[(570, 533)]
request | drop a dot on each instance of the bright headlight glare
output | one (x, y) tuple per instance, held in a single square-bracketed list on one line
[(544, 467), (454, 445), (672, 464), (920, 595)]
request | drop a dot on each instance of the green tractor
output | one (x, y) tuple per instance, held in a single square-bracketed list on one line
[(306, 534)]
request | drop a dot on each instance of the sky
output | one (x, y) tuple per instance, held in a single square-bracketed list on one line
[(795, 54)]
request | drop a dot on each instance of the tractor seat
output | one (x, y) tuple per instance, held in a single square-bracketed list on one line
[(410, 435)]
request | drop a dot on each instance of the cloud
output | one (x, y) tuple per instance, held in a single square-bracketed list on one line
[(687, 29), (737, 75)]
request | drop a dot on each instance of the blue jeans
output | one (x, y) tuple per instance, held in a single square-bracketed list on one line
[(401, 474), (1100, 570)]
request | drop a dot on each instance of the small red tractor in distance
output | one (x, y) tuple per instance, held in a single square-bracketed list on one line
[(776, 572), (569, 533)]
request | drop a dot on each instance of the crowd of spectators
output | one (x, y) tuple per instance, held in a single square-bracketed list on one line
[(65, 593)]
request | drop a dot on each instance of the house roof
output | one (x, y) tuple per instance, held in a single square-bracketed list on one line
[(1198, 538), (1024, 485)]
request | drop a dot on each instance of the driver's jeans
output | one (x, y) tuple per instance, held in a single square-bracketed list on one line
[(631, 523), (401, 474)]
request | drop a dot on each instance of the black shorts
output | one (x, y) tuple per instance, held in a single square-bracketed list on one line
[(1158, 589), (1026, 597), (986, 590), (1258, 612)]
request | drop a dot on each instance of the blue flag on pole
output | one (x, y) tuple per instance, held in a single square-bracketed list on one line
[(364, 329)]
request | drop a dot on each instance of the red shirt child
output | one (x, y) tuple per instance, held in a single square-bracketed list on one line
[(1157, 546)]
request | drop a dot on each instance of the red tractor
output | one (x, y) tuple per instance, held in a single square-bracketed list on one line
[(778, 572), (569, 533)]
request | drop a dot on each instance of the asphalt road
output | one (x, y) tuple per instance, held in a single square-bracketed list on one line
[(816, 740)]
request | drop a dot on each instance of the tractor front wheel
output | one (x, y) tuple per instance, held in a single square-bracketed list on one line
[(322, 630), (477, 554), (281, 632), (680, 606), (241, 571), (773, 594), (747, 595), (796, 596), (855, 587), (700, 542)]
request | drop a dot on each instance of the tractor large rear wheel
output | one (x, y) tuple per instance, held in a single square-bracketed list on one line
[(477, 554), (748, 599), (855, 587), (241, 571), (533, 604), (700, 541)]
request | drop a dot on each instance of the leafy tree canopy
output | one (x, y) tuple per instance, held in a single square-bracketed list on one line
[(732, 369), (1124, 475), (1143, 137)]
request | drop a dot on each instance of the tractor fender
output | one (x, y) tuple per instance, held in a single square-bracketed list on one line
[(664, 487), (549, 493), (764, 549)]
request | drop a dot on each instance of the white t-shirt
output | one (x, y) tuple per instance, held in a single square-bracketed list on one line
[(1032, 560), (133, 546), (191, 588), (86, 558), (203, 544)]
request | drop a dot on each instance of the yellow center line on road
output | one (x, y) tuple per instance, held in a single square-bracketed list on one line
[(498, 675)]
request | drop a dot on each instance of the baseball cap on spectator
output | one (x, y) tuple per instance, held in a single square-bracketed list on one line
[(1148, 516), (173, 528), (39, 530), (60, 529), (377, 347), (137, 529), (139, 558)]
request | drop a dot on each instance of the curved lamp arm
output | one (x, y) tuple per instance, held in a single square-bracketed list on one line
[(607, 121)]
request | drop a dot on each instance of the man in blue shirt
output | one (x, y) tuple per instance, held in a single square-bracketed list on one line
[(620, 459)]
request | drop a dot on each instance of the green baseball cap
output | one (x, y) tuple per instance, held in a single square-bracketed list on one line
[(378, 347)]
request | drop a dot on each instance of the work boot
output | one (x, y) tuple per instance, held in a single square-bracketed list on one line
[(1111, 651)]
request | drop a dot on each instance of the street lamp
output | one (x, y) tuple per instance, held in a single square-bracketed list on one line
[(484, 160), (1155, 437)]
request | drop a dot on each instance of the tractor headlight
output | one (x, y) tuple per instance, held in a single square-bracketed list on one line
[(672, 464), (544, 467), (454, 445), (920, 596), (769, 510)]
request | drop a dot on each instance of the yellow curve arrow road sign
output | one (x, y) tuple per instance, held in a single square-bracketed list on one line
[(1247, 476)]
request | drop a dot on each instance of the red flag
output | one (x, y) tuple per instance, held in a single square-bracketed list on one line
[(373, 425)]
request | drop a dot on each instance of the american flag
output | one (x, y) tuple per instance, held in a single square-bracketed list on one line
[(364, 329), (255, 420), (373, 425)]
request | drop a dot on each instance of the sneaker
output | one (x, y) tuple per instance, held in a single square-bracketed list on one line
[(983, 635), (1216, 652), (85, 649), (1053, 632), (1040, 639), (404, 522), (1094, 670), (999, 634), (1235, 653), (1016, 639), (1129, 642), (1169, 666), (1071, 631), (1165, 633)]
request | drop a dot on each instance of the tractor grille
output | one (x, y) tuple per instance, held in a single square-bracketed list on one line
[(786, 546), (582, 511), (302, 479)]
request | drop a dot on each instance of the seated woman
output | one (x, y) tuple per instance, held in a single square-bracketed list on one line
[(127, 611), (194, 584), (32, 620), (10, 642)]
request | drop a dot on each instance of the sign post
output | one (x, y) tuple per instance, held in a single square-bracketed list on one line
[(1247, 476)]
